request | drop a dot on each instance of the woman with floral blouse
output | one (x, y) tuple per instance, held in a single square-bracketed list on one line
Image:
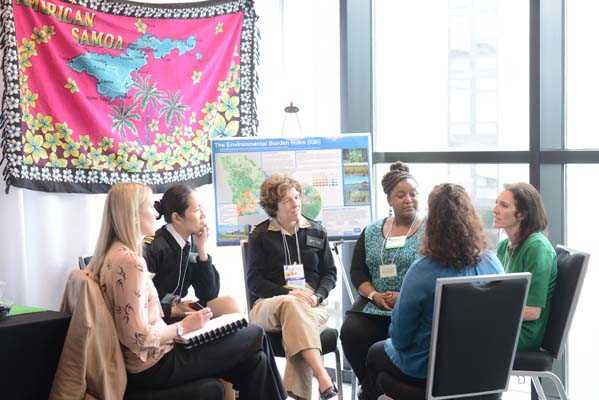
[(243, 358)]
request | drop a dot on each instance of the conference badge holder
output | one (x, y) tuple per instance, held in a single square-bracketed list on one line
[(294, 275)]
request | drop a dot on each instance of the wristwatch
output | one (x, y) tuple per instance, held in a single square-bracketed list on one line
[(371, 295), (319, 298), (179, 330)]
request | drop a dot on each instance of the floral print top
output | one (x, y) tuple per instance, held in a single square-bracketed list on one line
[(133, 301)]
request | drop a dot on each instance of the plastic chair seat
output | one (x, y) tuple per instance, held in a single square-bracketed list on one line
[(408, 392), (533, 361), (203, 389)]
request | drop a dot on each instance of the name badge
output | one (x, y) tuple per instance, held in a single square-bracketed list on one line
[(388, 270), (294, 275), (315, 242), (395, 242)]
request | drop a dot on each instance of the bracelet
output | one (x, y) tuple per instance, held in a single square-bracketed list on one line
[(371, 295)]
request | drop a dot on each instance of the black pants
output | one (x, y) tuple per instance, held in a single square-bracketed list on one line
[(243, 358), (358, 332), (378, 361)]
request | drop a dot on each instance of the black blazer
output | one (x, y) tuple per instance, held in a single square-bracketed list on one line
[(163, 253), (266, 258)]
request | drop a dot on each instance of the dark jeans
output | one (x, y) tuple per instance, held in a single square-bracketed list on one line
[(358, 332), (243, 358), (378, 361)]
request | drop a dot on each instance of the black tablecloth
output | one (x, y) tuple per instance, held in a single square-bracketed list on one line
[(30, 346)]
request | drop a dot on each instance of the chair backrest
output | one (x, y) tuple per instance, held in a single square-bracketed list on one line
[(571, 269), (244, 253), (476, 324), (84, 261), (91, 358)]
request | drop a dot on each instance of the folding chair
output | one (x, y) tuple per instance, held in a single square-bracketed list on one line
[(476, 324), (571, 269)]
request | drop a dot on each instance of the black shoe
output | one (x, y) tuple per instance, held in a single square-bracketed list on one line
[(329, 393)]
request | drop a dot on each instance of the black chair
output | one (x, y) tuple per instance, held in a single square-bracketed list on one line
[(201, 389), (328, 337), (84, 261), (476, 324), (571, 269)]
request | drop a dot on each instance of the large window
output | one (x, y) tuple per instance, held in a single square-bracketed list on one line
[(483, 92), (583, 221), (582, 79), (581, 85), (451, 75)]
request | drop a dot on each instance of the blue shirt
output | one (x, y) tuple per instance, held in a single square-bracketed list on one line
[(412, 317)]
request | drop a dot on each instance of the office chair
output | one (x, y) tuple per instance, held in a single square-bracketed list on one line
[(328, 337), (475, 329), (571, 269)]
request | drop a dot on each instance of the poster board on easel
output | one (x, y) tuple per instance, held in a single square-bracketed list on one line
[(335, 172)]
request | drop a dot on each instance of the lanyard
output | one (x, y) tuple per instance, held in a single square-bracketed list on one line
[(286, 246), (399, 248), (509, 256)]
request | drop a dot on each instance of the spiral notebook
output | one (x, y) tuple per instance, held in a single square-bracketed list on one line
[(214, 329)]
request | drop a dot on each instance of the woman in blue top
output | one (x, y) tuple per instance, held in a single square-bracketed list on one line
[(454, 244), (384, 252)]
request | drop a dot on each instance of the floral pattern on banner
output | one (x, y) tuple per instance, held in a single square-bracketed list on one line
[(151, 123)]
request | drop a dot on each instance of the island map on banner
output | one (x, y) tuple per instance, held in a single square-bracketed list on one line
[(100, 92)]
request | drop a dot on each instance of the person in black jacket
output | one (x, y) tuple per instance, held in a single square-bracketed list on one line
[(177, 255), (290, 272)]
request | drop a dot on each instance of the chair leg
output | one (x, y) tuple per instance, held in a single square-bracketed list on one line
[(535, 375), (537, 383), (557, 382), (354, 385), (339, 374), (560, 388)]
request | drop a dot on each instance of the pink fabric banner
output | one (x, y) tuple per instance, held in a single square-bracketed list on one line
[(101, 91)]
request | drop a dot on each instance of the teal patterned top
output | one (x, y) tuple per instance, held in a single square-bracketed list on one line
[(402, 257)]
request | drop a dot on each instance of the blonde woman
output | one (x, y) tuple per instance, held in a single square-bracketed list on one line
[(152, 361)]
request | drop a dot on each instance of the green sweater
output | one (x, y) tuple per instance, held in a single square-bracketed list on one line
[(537, 256)]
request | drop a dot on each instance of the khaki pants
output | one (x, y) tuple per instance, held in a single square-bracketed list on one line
[(300, 325)]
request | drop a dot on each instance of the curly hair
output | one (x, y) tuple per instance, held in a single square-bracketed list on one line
[(273, 189), (454, 231), (398, 171), (528, 202)]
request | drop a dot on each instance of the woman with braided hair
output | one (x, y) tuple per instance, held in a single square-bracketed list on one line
[(383, 253)]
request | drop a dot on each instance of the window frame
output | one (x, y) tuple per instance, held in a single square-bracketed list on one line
[(547, 156)]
